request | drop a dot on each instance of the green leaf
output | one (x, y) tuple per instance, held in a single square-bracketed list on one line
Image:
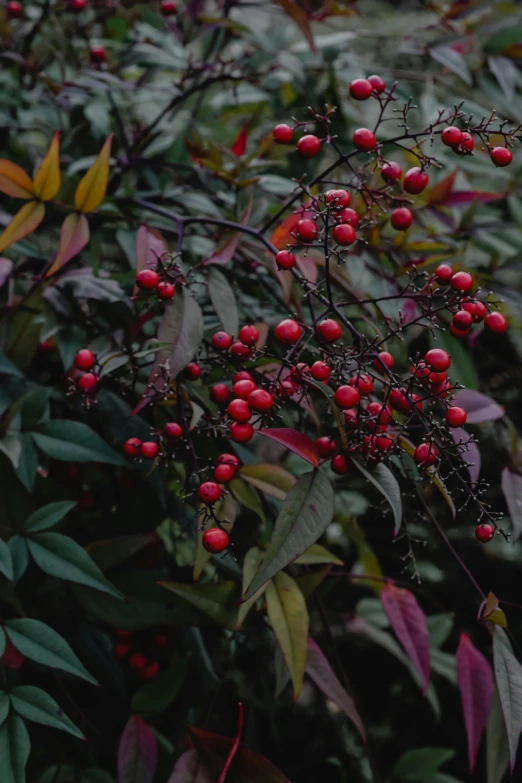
[(34, 704), (462, 366), (28, 463), (155, 697), (317, 555), (109, 552), (62, 557), (270, 479), (305, 515), (42, 644), (14, 750), (217, 601), (4, 703), (73, 441), (224, 300), (383, 479), (48, 516), (250, 565), (6, 562), (497, 748), (508, 677), (19, 556), (288, 617), (420, 764), (247, 496)]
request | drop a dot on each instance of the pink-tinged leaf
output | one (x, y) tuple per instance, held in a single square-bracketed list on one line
[(14, 181), (299, 16), (238, 148), (225, 251), (512, 489), (234, 747), (320, 671), (508, 677), (409, 623), (190, 768), (472, 454), (295, 441), (308, 268), (150, 246), (439, 192), (26, 220), (475, 681), (137, 752), (6, 269), (478, 406), (462, 198), (74, 235)]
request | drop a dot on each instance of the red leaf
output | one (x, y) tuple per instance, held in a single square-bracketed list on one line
[(295, 441), (475, 681), (282, 235), (12, 657), (239, 145), (137, 752), (235, 745), (464, 197), (442, 189), (190, 768), (409, 623)]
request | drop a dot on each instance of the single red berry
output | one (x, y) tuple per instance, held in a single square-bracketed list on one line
[(462, 281), (168, 8), (348, 215), (221, 341), (309, 146), (391, 171), (399, 401), (165, 290), (239, 350), (97, 54), (224, 473), (451, 136), (228, 459), (193, 371), (150, 672), (501, 156), (338, 198), (328, 330), (458, 332), (346, 397), (248, 335), (282, 133), (363, 383), (306, 230), (299, 373), (437, 359), (14, 9), (320, 371), (149, 449), (470, 307), (415, 180), (351, 419), (437, 377), (285, 259), (132, 447), (385, 358), (241, 433), (456, 417), (364, 140), (480, 312), (77, 5), (84, 359), (467, 142), (137, 662), (425, 455), (120, 649), (444, 273), (340, 464), (215, 540), (147, 279), (260, 400), (287, 332), (326, 446), (361, 89), (219, 393), (173, 430), (401, 218), (243, 389), (285, 388), (462, 320), (242, 375), (378, 83), (495, 322), (379, 413), (88, 381), (209, 492), (344, 234), (484, 533), (239, 411)]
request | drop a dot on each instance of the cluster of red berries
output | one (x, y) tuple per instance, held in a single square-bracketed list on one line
[(146, 670), (85, 361), (149, 280), (470, 311)]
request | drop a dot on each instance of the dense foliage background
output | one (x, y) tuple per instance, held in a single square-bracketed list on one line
[(182, 108)]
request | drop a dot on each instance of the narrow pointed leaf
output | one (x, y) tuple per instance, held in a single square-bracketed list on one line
[(383, 479), (91, 188), (34, 704), (508, 677), (47, 179), (74, 441), (250, 565), (288, 617), (14, 750), (14, 181), (475, 681), (512, 490), (270, 479), (217, 601), (5, 706), (224, 300), (6, 561), (189, 768), (409, 623), (497, 749), (74, 236), (300, 18), (23, 223), (137, 752), (296, 441), (317, 555), (48, 516)]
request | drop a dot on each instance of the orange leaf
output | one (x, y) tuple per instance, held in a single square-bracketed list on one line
[(23, 223), (91, 188), (440, 191), (47, 178), (73, 238), (14, 181)]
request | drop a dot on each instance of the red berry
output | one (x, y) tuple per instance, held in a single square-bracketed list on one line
[(285, 388), (14, 9), (415, 180), (147, 279), (480, 312), (320, 371), (241, 433), (215, 540), (224, 473), (165, 290), (221, 341), (484, 533), (363, 383), (458, 332), (243, 389), (364, 140), (248, 335), (306, 230), (470, 307), (348, 215), (282, 133), (132, 447), (399, 401), (462, 281), (329, 330), (326, 446), (209, 492), (260, 400), (346, 397), (467, 142), (239, 350), (193, 371), (77, 5), (350, 419), (501, 156), (87, 381), (421, 373), (338, 198), (378, 83), (120, 649), (462, 320), (239, 411), (137, 662), (437, 359), (444, 273), (173, 430), (401, 218), (242, 375), (149, 449), (425, 455), (344, 234), (309, 146), (340, 464), (285, 259), (84, 359), (361, 89), (495, 322), (456, 417), (168, 8), (150, 672), (391, 171), (451, 136), (385, 358), (219, 393), (379, 415), (228, 459), (287, 332), (97, 54), (299, 373)]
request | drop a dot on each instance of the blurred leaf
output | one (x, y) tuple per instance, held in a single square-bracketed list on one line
[(14, 181), (478, 406), (14, 750), (155, 697), (512, 490), (409, 623), (252, 766), (270, 479), (74, 236), (475, 681), (109, 552), (137, 752), (421, 764), (190, 768), (288, 617), (47, 179), (217, 601), (34, 704), (26, 220), (224, 301), (453, 60), (6, 563), (299, 16), (91, 188)]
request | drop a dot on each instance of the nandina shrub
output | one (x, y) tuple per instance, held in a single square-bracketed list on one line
[(260, 370)]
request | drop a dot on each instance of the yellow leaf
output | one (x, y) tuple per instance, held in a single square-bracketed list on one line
[(23, 223), (14, 181), (288, 617), (491, 611), (91, 188), (73, 238), (47, 178)]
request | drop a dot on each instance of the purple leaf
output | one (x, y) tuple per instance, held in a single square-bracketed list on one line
[(189, 768), (461, 198), (475, 682), (472, 454), (320, 671), (478, 406), (512, 489), (295, 441), (6, 268), (409, 623), (137, 752), (508, 676)]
